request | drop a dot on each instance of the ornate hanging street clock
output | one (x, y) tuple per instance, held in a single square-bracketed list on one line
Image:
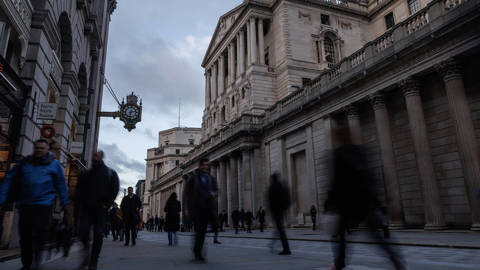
[(131, 112)]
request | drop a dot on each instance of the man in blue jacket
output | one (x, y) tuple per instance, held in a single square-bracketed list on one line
[(41, 177)]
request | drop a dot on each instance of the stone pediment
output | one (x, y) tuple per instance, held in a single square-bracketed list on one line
[(225, 22)]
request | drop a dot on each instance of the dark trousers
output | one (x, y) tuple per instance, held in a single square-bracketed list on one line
[(33, 229), (373, 223), (95, 218), (202, 219), (278, 219), (130, 231), (314, 221)]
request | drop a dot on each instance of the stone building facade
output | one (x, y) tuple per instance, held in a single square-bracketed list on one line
[(54, 52), (173, 146), (401, 74)]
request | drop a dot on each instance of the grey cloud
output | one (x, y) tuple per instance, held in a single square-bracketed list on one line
[(120, 161)]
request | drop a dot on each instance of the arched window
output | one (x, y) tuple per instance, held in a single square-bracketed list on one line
[(329, 50)]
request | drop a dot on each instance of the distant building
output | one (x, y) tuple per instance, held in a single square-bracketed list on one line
[(173, 146), (140, 188)]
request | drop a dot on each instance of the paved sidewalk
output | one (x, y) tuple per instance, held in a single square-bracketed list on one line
[(446, 239)]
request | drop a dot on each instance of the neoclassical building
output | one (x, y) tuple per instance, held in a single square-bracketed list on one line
[(173, 147), (51, 51), (400, 74)]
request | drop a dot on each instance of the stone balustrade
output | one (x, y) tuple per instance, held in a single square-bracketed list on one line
[(418, 21)]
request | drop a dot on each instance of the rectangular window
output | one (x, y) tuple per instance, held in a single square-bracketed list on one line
[(389, 20), (191, 141), (413, 6), (317, 50), (325, 19), (177, 151), (177, 162)]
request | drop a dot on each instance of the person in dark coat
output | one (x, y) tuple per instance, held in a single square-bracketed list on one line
[(249, 220), (130, 206), (114, 221), (36, 180), (156, 222), (279, 198), (201, 195), (235, 219), (96, 191), (161, 224), (221, 219), (352, 196), (172, 220), (242, 219), (313, 215), (261, 218)]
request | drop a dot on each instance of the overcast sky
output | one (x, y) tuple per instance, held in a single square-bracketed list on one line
[(155, 48)]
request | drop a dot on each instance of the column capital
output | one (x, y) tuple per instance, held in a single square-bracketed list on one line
[(409, 87), (448, 68), (351, 111), (377, 100)]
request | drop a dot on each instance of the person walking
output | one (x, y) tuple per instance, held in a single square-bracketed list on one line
[(33, 182), (114, 221), (221, 219), (313, 215), (201, 194), (161, 223), (96, 190), (130, 206), (353, 198), (236, 219), (279, 198), (242, 219), (249, 220), (172, 220), (261, 218), (156, 222)]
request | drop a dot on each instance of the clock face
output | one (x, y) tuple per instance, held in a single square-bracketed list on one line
[(130, 112)]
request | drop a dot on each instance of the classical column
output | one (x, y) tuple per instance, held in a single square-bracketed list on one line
[(462, 121), (247, 179), (214, 83), (249, 47), (231, 64), (241, 54), (261, 45), (392, 186), (221, 75), (222, 182), (253, 41), (354, 124), (207, 89), (234, 181), (432, 204)]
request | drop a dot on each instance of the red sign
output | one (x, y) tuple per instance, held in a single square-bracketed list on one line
[(1, 67)]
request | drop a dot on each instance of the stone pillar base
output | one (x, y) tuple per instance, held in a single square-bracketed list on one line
[(475, 227), (396, 226), (434, 227)]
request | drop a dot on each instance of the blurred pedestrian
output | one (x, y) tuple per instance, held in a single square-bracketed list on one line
[(156, 221), (313, 215), (161, 223), (33, 182), (242, 219), (114, 221), (201, 194), (279, 198), (172, 221), (236, 219), (261, 218), (130, 206), (221, 219), (249, 220), (96, 190), (353, 198)]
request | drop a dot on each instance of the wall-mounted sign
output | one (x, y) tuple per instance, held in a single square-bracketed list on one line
[(47, 111), (76, 148)]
